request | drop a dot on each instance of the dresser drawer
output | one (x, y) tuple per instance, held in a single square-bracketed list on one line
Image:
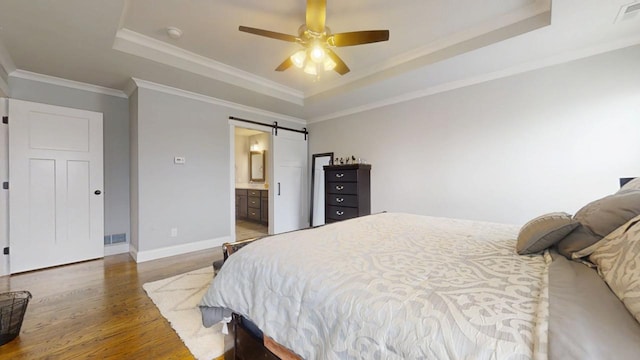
[(342, 175), (253, 192), (241, 192), (340, 213), (254, 202), (342, 188), (254, 214), (342, 200)]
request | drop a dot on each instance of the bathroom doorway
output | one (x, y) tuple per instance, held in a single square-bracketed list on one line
[(251, 183)]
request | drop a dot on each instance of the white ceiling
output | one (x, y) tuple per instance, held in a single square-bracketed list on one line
[(434, 45)]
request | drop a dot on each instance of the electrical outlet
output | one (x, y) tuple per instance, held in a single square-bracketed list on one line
[(174, 232)]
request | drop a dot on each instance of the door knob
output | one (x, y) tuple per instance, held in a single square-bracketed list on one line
[(97, 192)]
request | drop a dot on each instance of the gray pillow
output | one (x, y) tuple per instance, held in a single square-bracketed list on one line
[(543, 232), (599, 218)]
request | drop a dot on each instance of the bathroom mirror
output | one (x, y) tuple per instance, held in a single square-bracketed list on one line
[(256, 166)]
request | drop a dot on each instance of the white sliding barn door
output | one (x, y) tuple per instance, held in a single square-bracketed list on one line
[(56, 206), (289, 186)]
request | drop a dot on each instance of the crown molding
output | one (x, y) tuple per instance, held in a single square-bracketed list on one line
[(5, 60), (134, 43), (144, 84), (537, 12), (4, 88), (130, 87), (28, 75), (526, 67)]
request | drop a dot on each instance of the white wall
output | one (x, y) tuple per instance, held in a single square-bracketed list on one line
[(242, 160), (195, 197), (506, 150)]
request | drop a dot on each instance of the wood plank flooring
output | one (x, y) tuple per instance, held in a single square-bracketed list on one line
[(98, 309)]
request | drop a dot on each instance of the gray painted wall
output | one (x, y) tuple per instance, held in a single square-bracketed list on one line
[(195, 197), (116, 140), (505, 150)]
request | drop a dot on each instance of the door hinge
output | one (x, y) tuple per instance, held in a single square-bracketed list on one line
[(5, 185), (5, 119), (6, 251)]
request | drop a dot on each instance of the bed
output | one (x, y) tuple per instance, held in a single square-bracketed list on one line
[(402, 286)]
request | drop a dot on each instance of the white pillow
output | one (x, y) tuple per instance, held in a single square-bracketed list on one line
[(618, 259)]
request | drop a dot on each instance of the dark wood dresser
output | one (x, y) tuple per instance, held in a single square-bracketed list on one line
[(347, 191)]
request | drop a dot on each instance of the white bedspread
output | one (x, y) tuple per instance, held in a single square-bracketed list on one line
[(392, 286)]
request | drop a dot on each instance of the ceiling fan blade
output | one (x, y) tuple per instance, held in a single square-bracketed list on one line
[(316, 15), (285, 65), (341, 68), (358, 37), (269, 34)]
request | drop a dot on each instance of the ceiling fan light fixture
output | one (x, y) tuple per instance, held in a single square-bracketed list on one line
[(317, 53), (298, 58), (329, 64), (311, 68)]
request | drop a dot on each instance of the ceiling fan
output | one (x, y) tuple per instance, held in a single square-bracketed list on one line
[(317, 41)]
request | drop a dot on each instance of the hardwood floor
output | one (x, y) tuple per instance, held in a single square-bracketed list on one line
[(98, 309)]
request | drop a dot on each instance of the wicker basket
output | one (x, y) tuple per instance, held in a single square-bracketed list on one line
[(13, 305)]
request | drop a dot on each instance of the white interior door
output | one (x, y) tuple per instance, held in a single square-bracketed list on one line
[(289, 187), (56, 206)]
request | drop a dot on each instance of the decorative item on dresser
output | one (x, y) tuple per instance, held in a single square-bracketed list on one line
[(252, 204), (348, 191)]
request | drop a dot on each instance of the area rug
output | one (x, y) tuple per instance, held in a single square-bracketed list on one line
[(177, 298)]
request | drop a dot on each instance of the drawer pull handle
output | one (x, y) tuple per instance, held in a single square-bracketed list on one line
[(339, 187), (339, 213), (339, 200), (339, 175)]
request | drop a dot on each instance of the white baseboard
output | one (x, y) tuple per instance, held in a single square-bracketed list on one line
[(116, 249), (148, 255)]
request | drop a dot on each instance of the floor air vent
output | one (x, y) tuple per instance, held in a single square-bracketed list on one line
[(115, 239), (628, 11)]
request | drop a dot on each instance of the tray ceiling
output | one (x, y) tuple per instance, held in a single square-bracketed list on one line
[(432, 43)]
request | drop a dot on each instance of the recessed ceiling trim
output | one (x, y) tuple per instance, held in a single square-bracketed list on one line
[(144, 84), (522, 68), (4, 87), (28, 75), (534, 10), (134, 43)]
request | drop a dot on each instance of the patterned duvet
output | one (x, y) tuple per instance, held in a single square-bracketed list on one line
[(392, 286)]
